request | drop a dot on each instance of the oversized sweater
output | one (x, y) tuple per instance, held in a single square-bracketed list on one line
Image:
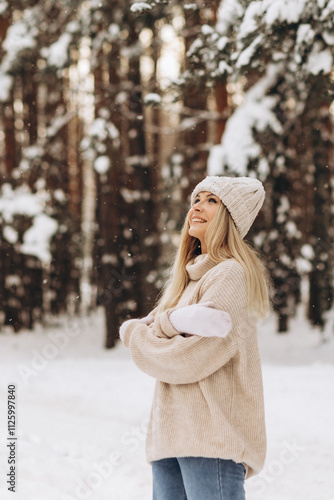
[(208, 399)]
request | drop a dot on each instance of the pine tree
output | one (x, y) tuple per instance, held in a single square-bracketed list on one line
[(34, 106), (286, 52), (126, 246)]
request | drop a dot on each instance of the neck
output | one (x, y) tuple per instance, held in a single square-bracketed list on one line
[(204, 248)]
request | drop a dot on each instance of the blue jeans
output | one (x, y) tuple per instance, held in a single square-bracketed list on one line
[(196, 478)]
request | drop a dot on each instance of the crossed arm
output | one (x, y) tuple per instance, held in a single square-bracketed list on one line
[(159, 350), (197, 319)]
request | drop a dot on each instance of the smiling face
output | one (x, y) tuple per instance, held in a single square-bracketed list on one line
[(201, 214)]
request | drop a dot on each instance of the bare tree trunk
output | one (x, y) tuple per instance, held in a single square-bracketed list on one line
[(222, 108), (63, 273), (29, 98), (141, 178), (108, 244), (9, 131), (321, 278)]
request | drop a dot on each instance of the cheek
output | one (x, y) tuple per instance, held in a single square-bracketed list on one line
[(212, 211)]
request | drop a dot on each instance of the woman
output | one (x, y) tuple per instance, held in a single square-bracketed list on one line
[(207, 431)]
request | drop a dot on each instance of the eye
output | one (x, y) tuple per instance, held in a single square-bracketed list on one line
[(213, 199), (196, 200)]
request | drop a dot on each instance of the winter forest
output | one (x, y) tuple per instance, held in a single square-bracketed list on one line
[(111, 111)]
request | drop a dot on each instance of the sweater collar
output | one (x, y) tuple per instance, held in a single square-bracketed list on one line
[(198, 266)]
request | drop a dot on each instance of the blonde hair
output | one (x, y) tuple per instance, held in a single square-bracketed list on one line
[(223, 242)]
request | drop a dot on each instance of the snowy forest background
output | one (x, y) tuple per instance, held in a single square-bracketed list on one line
[(111, 112)]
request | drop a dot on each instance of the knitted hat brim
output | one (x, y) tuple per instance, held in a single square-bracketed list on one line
[(242, 196)]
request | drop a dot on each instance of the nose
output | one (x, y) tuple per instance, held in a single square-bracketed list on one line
[(198, 206)]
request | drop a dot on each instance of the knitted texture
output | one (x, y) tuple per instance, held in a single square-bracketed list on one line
[(201, 319), (208, 399), (242, 196), (147, 320)]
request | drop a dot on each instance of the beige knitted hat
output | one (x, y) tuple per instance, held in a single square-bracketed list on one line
[(242, 196)]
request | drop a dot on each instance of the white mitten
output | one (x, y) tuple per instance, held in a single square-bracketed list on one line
[(147, 320), (201, 320), (124, 326)]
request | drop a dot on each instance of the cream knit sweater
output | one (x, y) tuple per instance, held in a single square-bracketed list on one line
[(208, 399)]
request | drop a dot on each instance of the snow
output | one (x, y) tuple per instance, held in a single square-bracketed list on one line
[(307, 251), (257, 112), (36, 240), (98, 129), (272, 11), (246, 55), (303, 265), (305, 33), (291, 229), (58, 123), (73, 27), (83, 413), (328, 37), (320, 61), (12, 280), (216, 160), (190, 6), (10, 234), (19, 201), (20, 37), (152, 98), (3, 6), (102, 129), (238, 146), (58, 51), (59, 195), (33, 151), (131, 196), (228, 13), (224, 68), (140, 7), (222, 42), (283, 10), (207, 30), (114, 31), (249, 23), (283, 208), (329, 9), (6, 83), (102, 164), (138, 160)]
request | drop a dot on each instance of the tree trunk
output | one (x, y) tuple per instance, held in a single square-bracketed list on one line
[(321, 278)]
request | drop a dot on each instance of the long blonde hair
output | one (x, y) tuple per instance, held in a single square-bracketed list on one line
[(223, 242)]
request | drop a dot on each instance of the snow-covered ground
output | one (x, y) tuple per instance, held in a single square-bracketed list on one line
[(82, 414)]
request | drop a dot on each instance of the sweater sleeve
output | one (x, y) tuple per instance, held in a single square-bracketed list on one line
[(160, 351), (178, 360), (226, 288)]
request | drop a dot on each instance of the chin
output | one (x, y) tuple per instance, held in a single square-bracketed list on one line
[(194, 233)]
